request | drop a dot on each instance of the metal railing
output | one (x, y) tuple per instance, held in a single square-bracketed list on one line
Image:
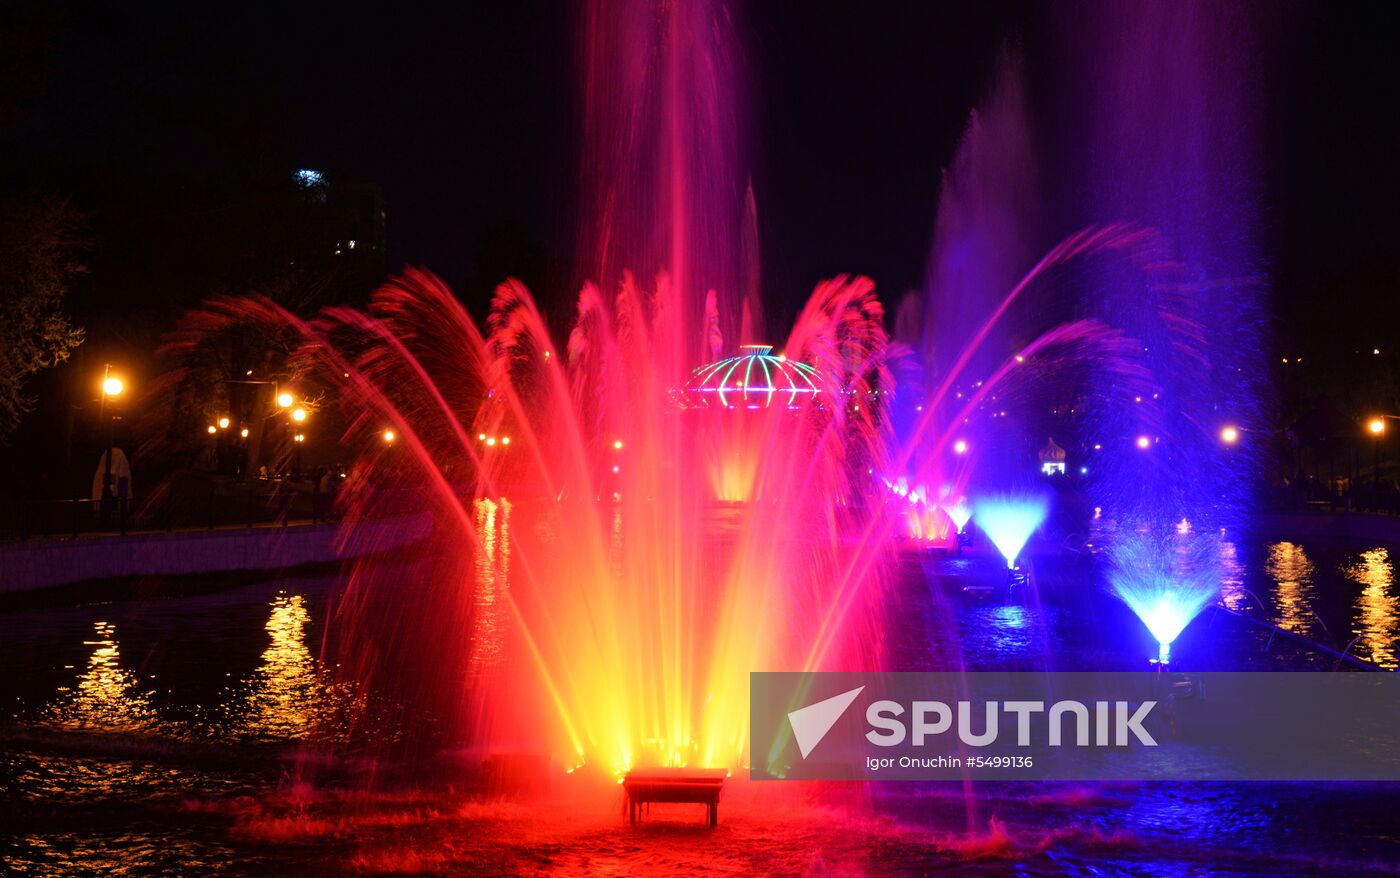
[(183, 511)]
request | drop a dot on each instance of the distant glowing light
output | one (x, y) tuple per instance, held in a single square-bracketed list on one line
[(1376, 351), (389, 436), (960, 446), (491, 440), (1144, 442), (1020, 359), (306, 178), (1376, 425), (1183, 527), (223, 423), (243, 432), (1098, 446), (1229, 435), (212, 429), (617, 469), (284, 400), (298, 415), (505, 440), (112, 386), (481, 437), (617, 445), (300, 437)]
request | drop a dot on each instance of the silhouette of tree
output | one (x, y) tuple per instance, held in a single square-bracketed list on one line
[(39, 245)]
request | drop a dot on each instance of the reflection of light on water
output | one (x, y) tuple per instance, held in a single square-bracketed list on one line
[(1232, 592), (106, 698), (1376, 607), (284, 694), (1291, 570), (1008, 629), (491, 572)]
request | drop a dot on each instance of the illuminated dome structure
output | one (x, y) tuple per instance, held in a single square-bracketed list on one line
[(755, 379)]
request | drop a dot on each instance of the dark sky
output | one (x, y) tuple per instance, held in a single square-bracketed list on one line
[(464, 113)]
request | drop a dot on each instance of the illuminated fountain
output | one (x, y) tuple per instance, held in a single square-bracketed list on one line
[(612, 620), (1166, 577), (746, 386), (960, 513), (1008, 521)]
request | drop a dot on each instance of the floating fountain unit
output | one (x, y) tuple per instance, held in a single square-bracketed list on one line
[(960, 514), (1009, 522)]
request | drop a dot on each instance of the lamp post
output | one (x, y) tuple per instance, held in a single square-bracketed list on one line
[(112, 386), (1376, 426)]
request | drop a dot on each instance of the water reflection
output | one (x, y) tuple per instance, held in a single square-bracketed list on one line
[(1292, 572), (284, 688), (491, 572), (106, 697), (1375, 617), (1232, 591)]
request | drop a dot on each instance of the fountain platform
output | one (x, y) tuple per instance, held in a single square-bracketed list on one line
[(701, 786)]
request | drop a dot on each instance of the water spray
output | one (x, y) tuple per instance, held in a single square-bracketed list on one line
[(1009, 522)]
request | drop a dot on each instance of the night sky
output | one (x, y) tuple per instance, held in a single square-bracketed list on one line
[(465, 115)]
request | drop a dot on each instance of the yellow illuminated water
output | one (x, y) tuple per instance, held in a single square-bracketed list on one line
[(491, 572), (1377, 610), (1292, 572), (283, 700), (106, 697)]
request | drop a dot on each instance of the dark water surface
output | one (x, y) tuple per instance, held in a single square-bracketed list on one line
[(168, 735)]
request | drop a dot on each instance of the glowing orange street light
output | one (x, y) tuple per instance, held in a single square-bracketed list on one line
[(617, 445), (213, 429), (389, 436), (1143, 442), (284, 400), (223, 423), (505, 440), (298, 414), (1376, 425), (1229, 435), (243, 432), (112, 386), (491, 440), (300, 437)]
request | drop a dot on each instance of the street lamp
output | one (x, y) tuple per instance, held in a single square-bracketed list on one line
[(223, 422), (389, 436), (1229, 435), (112, 387), (960, 446), (298, 414), (1144, 443), (284, 400), (1376, 426)]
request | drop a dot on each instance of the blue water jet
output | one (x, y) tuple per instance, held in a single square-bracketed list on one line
[(1009, 521)]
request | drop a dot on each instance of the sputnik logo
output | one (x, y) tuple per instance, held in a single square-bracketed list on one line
[(811, 723)]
